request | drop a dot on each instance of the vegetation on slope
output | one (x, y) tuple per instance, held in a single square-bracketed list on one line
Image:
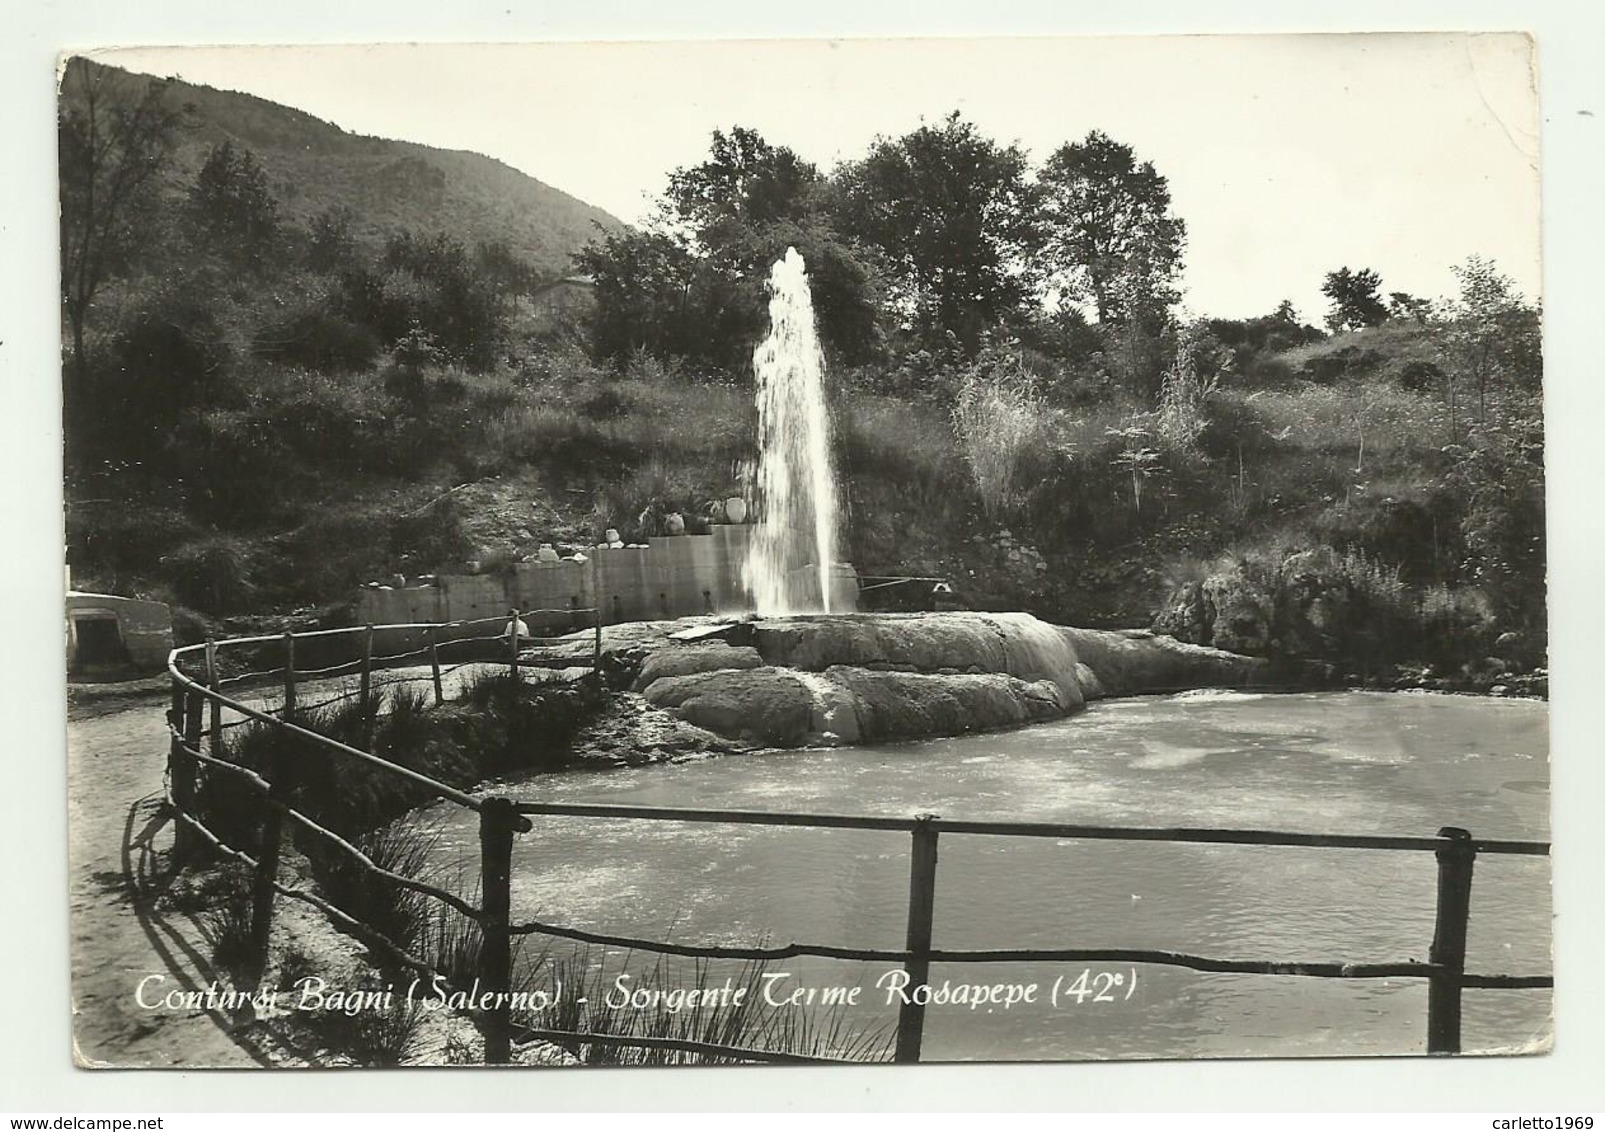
[(269, 403)]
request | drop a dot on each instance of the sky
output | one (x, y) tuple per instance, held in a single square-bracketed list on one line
[(1287, 156)]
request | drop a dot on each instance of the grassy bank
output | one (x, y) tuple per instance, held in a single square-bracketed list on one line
[(496, 727), (1108, 518)]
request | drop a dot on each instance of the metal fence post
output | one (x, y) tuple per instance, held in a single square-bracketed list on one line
[(1455, 861), (921, 912), (497, 822)]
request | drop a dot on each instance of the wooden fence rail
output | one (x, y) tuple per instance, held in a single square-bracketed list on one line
[(193, 746), (1456, 851)]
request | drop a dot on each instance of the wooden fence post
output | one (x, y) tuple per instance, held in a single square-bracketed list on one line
[(181, 775), (289, 676), (366, 694), (497, 822), (434, 667), (921, 912), (1455, 861), (596, 648), (216, 746), (280, 769), (192, 739), (512, 646)]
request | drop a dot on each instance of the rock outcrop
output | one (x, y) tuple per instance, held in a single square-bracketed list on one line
[(765, 705), (875, 677), (688, 660)]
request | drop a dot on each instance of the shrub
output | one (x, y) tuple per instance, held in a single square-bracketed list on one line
[(1456, 626), (1417, 528), (224, 802), (389, 1036), (537, 722), (1340, 606), (215, 573), (115, 539), (1233, 427), (1421, 376), (319, 340), (606, 403)]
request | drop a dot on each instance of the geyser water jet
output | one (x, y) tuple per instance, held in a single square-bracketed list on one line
[(792, 552)]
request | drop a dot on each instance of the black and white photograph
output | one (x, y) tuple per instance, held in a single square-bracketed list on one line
[(755, 552)]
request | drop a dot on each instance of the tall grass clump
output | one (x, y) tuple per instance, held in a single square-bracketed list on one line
[(399, 914), (536, 722), (1184, 394), (227, 919), (451, 943), (1000, 421), (387, 1033)]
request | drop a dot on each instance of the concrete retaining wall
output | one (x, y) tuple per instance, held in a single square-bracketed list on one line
[(678, 576)]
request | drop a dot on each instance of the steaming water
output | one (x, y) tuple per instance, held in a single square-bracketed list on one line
[(1356, 762), (792, 550)]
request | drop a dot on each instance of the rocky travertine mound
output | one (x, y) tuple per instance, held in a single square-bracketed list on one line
[(871, 677), (687, 660)]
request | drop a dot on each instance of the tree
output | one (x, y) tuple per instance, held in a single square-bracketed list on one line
[(432, 281), (1490, 334), (693, 284), (739, 211), (746, 184), (508, 275), (1406, 307), (956, 220), (643, 283), (331, 243), (1113, 238), (1354, 299), (233, 207), (114, 141)]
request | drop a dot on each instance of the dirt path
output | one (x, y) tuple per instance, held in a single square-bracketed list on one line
[(121, 930), (116, 753), (124, 932)]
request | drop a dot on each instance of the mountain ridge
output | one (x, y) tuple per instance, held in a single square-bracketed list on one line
[(388, 184)]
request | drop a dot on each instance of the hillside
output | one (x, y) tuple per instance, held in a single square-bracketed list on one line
[(313, 166), (310, 360)]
